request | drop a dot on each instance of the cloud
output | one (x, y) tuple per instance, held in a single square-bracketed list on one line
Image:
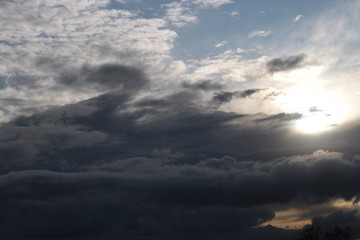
[(282, 117), (259, 33), (339, 218), (289, 63), (220, 44), (298, 18), (234, 13), (211, 3), (102, 213), (225, 163), (315, 109), (179, 14), (225, 97), (206, 85), (158, 161), (49, 41), (108, 77), (134, 152), (183, 12), (229, 66), (346, 219)]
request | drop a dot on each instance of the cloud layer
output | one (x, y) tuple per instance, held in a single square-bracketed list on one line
[(106, 133)]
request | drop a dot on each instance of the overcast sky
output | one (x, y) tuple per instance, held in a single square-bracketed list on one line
[(186, 119)]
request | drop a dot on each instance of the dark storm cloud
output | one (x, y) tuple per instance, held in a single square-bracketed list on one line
[(100, 204), (225, 97), (147, 198), (119, 166), (206, 85), (278, 64), (340, 218)]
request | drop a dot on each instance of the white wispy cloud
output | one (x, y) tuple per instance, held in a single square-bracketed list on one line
[(259, 33), (298, 18), (220, 44), (209, 3), (234, 13), (228, 66), (42, 38), (179, 14), (183, 12)]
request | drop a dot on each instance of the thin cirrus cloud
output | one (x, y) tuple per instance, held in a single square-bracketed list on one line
[(298, 18), (184, 12), (259, 33)]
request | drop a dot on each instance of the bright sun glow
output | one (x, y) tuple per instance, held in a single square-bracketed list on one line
[(316, 124), (322, 109)]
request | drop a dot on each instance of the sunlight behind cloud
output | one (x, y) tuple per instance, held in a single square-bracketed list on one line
[(321, 108)]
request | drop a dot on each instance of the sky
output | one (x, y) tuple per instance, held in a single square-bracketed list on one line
[(178, 119)]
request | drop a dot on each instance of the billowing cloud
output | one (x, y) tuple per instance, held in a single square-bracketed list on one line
[(189, 163), (109, 132)]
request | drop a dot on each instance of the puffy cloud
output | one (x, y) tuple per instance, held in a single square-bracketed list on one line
[(156, 161)]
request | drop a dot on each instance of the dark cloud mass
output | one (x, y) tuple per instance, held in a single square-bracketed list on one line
[(289, 63), (121, 166)]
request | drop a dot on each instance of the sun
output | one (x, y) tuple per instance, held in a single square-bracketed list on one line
[(315, 124), (322, 108)]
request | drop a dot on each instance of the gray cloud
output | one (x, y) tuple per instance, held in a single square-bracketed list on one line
[(148, 198), (225, 97), (108, 77), (340, 218), (282, 117), (120, 165), (205, 85), (289, 63), (129, 162)]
